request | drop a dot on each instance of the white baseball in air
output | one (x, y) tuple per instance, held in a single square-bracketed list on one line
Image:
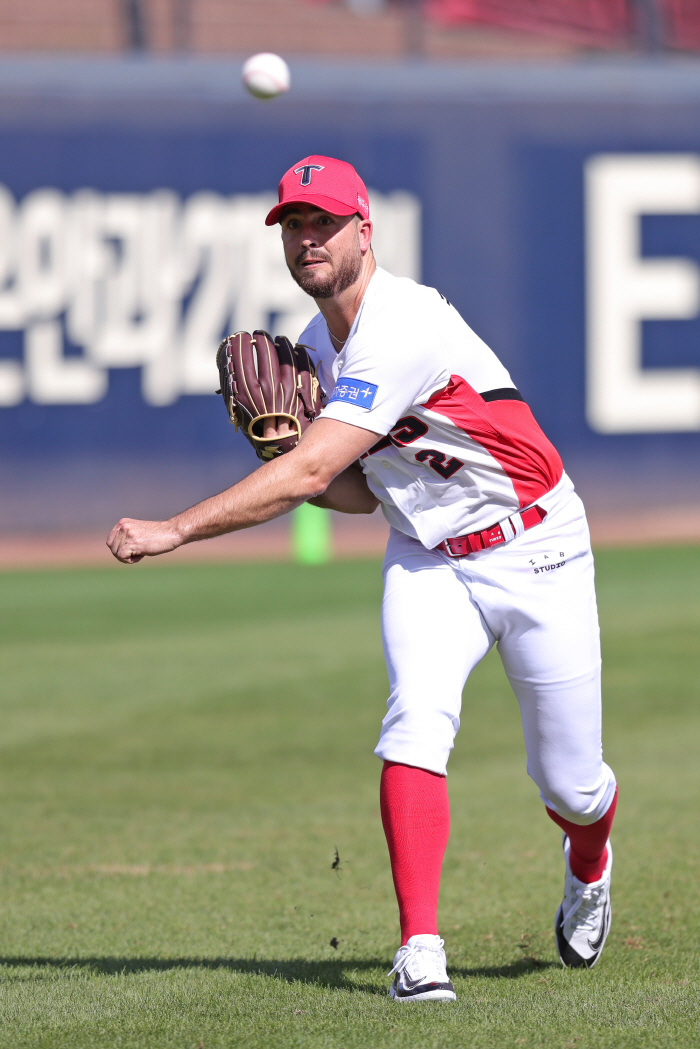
[(266, 75)]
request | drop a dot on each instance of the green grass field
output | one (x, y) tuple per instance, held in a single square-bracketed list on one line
[(183, 748)]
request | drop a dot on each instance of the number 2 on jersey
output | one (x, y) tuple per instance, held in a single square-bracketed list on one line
[(408, 430), (439, 462)]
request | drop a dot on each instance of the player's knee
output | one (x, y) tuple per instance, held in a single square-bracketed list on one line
[(418, 735), (575, 799), (418, 703), (573, 806)]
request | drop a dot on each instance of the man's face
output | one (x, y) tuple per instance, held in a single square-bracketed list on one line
[(323, 251)]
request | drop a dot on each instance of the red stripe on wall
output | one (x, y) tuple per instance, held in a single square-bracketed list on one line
[(508, 431), (682, 19), (607, 23)]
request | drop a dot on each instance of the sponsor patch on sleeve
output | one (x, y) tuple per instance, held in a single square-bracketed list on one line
[(354, 391)]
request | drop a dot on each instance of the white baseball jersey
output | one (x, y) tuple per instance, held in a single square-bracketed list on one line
[(459, 448)]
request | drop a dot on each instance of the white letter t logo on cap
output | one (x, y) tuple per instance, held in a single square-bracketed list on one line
[(306, 172)]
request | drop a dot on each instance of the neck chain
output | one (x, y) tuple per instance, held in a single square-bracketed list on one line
[(339, 342)]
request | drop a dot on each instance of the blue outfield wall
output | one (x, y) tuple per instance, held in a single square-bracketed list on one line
[(557, 207)]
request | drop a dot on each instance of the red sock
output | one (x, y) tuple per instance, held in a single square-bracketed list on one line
[(416, 817), (588, 854)]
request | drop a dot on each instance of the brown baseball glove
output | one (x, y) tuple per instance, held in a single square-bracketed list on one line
[(268, 382)]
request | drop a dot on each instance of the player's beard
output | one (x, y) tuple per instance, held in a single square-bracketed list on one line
[(326, 287)]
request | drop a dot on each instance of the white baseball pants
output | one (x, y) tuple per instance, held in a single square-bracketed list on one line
[(534, 598)]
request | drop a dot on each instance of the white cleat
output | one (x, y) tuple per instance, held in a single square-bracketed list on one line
[(582, 923), (421, 974)]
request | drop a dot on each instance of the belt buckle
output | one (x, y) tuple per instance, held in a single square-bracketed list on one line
[(463, 548)]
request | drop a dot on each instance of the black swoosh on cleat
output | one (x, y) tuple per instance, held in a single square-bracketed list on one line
[(420, 988), (596, 944), (412, 985)]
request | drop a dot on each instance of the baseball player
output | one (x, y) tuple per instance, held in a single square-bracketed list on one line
[(488, 545)]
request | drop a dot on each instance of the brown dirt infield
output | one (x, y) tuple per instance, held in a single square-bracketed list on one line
[(270, 542), (352, 537)]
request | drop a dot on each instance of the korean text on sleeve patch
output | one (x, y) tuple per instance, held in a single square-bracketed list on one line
[(354, 391)]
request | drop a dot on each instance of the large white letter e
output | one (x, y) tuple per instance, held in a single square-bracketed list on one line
[(623, 289)]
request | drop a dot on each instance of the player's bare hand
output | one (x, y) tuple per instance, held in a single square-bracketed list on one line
[(130, 540), (277, 427)]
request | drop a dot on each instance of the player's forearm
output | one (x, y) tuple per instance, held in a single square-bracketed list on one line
[(325, 451), (269, 492), (348, 493)]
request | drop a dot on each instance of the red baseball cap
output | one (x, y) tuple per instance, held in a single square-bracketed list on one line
[(325, 182)]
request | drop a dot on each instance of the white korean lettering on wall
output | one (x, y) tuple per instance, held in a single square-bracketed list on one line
[(98, 281), (623, 289)]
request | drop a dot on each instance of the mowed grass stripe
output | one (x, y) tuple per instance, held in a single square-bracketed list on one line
[(64, 687), (184, 747)]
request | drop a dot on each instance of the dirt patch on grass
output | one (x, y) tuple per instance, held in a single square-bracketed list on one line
[(352, 537)]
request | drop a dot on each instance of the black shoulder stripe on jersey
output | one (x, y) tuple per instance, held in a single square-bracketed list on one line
[(508, 393)]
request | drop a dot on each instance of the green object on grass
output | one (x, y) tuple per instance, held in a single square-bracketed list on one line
[(184, 746), (311, 535)]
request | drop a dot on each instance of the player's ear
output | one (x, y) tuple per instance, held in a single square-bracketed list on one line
[(364, 232)]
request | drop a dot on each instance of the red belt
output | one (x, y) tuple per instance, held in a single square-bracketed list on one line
[(503, 532)]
